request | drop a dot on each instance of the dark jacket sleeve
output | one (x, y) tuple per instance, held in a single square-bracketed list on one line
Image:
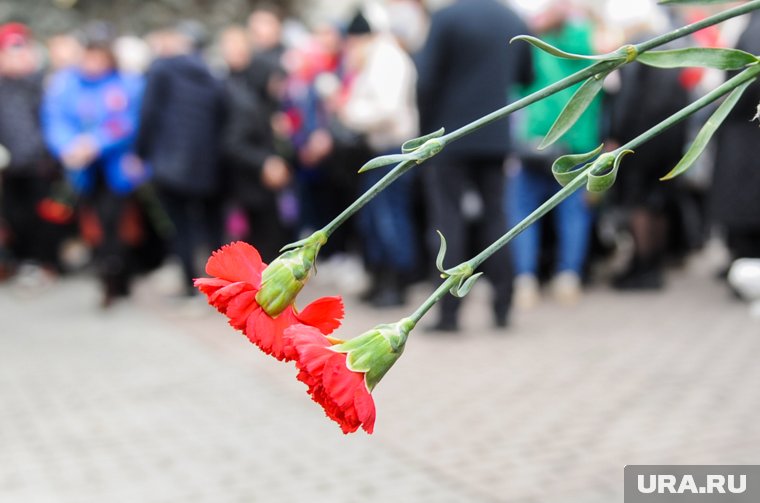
[(246, 141), (431, 69), (156, 84), (524, 57)]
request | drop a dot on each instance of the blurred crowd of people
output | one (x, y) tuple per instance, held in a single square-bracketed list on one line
[(176, 142)]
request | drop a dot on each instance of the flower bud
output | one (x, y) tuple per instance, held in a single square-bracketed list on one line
[(375, 351), (284, 278)]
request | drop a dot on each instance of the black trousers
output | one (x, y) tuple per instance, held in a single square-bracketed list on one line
[(445, 183), (743, 243), (197, 220), (265, 230), (30, 237)]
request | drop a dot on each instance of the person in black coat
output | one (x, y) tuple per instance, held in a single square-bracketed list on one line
[(466, 70), (258, 174), (28, 172), (648, 96), (735, 194), (182, 114)]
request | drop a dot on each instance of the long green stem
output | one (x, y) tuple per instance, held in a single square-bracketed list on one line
[(437, 295), (595, 69), (699, 25), (749, 74), (388, 179)]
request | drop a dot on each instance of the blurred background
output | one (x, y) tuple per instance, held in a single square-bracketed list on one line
[(137, 137)]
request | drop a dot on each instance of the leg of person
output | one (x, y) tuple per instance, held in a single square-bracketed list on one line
[(178, 208), (490, 181), (444, 187), (367, 226), (573, 219), (525, 193), (111, 253), (743, 242), (212, 208), (649, 230), (395, 234), (18, 211), (266, 232)]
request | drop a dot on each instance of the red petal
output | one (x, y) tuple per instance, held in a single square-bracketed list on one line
[(241, 307), (267, 332), (341, 392), (365, 409), (210, 285), (308, 345), (340, 381), (236, 261), (324, 313), (225, 295)]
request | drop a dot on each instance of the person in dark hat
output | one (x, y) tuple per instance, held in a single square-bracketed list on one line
[(381, 106)]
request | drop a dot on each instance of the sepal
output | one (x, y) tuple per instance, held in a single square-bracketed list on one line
[(374, 352), (416, 150), (284, 278)]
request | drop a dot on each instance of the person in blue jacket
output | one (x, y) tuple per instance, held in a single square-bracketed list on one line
[(90, 119)]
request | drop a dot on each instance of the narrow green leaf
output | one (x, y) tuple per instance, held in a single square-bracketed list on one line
[(578, 104), (703, 137), (599, 182), (384, 160), (567, 167), (414, 144), (554, 51), (441, 253), (722, 59)]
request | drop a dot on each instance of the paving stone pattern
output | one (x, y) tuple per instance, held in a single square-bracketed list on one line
[(160, 402)]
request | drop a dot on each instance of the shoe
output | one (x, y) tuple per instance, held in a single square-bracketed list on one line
[(390, 292), (443, 326), (501, 313), (651, 279), (566, 288), (389, 296), (527, 293)]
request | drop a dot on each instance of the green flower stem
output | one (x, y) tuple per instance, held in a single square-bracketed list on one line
[(388, 179), (595, 69), (579, 76), (750, 73), (433, 299), (699, 25)]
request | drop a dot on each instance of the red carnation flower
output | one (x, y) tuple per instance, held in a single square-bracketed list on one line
[(237, 270), (341, 374), (340, 391)]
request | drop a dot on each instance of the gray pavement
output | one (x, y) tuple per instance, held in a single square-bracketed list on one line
[(160, 402)]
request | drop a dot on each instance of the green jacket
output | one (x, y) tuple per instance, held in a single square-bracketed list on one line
[(538, 118)]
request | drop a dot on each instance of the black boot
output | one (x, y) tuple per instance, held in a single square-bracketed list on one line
[(447, 321), (391, 291), (643, 274)]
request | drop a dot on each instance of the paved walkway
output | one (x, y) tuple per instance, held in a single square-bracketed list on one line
[(154, 402)]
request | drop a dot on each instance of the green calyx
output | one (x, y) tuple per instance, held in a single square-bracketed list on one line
[(284, 278), (374, 352)]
